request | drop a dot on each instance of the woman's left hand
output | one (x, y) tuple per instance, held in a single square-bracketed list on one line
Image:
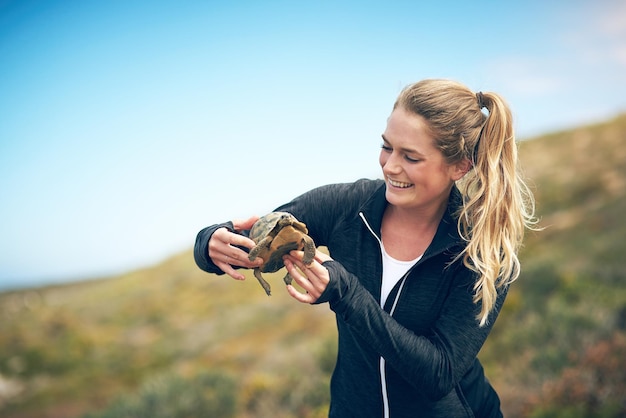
[(313, 279)]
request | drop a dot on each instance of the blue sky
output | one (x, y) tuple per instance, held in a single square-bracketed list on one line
[(127, 126)]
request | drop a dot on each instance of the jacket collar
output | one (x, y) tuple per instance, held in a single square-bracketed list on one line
[(447, 235)]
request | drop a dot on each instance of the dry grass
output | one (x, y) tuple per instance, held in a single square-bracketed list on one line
[(74, 348)]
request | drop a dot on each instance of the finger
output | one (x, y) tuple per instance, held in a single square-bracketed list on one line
[(305, 272), (227, 268), (236, 257), (225, 236), (316, 274), (296, 261), (303, 280), (321, 257), (299, 296), (296, 255), (223, 247), (312, 271), (241, 224), (241, 241)]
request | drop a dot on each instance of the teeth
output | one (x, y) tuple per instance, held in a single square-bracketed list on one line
[(399, 184)]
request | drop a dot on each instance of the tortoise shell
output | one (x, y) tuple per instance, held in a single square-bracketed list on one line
[(276, 234)]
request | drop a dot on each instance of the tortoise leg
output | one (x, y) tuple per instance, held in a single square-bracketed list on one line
[(254, 252), (265, 285), (287, 279), (309, 250)]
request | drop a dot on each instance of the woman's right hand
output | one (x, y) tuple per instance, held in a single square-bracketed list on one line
[(225, 254)]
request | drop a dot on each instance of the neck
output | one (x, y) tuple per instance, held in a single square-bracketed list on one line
[(417, 219), (406, 234)]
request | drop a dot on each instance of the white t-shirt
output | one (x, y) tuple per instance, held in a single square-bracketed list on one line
[(393, 271)]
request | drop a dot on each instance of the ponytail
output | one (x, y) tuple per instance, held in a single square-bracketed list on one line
[(498, 205), (498, 208)]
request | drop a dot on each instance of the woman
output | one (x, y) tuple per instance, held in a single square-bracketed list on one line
[(419, 263)]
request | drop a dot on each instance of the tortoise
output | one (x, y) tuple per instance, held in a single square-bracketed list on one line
[(275, 235)]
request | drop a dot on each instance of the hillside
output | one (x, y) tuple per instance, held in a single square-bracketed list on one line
[(570, 301), (177, 340)]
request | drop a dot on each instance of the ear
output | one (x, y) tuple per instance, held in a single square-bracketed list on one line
[(460, 169)]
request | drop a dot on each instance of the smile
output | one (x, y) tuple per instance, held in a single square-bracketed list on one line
[(399, 184)]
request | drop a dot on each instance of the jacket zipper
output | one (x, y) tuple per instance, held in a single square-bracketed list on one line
[(383, 374)]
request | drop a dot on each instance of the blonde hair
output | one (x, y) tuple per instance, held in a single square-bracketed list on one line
[(497, 204)]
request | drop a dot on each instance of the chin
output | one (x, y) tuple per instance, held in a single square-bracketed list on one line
[(398, 198)]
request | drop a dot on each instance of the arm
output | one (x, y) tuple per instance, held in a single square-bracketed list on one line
[(313, 208), (201, 248), (434, 363), (324, 208), (221, 248)]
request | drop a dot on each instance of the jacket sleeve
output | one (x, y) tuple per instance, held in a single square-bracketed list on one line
[(201, 247), (433, 363), (314, 208), (322, 209)]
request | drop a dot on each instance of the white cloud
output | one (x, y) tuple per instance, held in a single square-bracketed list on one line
[(598, 37), (612, 20), (586, 58), (612, 27)]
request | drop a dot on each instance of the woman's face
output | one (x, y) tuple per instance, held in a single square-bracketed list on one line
[(416, 172)]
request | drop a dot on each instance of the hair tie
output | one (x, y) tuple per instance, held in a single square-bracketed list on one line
[(480, 98)]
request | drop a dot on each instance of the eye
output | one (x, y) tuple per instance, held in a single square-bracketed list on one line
[(386, 148), (411, 160)]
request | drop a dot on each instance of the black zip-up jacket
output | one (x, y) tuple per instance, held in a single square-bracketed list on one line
[(417, 356)]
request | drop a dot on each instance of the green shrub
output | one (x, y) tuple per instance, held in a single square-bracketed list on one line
[(171, 396)]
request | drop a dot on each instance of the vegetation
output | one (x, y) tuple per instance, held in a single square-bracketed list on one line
[(172, 341)]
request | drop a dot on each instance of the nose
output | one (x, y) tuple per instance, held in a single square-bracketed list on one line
[(390, 163)]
